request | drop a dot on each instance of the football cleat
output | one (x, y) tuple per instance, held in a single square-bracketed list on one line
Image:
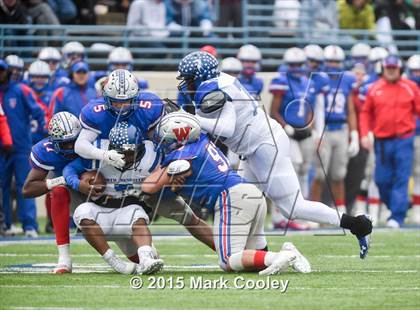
[(282, 261), (364, 242), (63, 268), (149, 266), (300, 264), (31, 233)]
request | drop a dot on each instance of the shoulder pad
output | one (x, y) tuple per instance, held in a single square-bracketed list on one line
[(213, 101), (205, 88)]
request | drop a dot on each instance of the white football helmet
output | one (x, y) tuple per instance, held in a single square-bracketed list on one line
[(49, 53), (63, 127), (413, 63), (314, 52), (334, 53), (120, 56), (14, 61), (377, 54), (360, 50), (73, 51), (177, 129), (249, 52), (294, 55), (121, 86), (231, 65), (39, 68)]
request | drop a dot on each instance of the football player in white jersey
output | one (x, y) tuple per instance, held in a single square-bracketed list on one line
[(227, 111)]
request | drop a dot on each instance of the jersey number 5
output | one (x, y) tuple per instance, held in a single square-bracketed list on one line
[(217, 157)]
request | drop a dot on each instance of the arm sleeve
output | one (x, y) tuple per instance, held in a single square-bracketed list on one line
[(71, 173), (84, 146), (366, 116), (219, 123)]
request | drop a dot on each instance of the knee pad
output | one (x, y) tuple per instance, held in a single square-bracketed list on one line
[(83, 212)]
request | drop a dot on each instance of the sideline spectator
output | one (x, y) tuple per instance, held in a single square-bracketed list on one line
[(188, 13), (356, 14), (390, 110), (145, 14), (319, 15), (64, 9), (287, 14), (230, 14)]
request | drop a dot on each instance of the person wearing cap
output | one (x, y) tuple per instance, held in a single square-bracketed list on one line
[(75, 95), (19, 105), (389, 111)]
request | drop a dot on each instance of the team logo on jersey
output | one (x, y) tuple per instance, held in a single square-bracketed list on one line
[(182, 134), (12, 103)]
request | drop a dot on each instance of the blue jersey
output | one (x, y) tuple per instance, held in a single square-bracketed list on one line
[(336, 110), (211, 173), (20, 103), (294, 110), (321, 82), (38, 133), (44, 157), (254, 85), (71, 98), (96, 117)]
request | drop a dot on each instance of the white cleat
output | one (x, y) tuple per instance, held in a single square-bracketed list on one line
[(122, 267), (282, 261), (63, 267), (300, 264), (149, 266), (31, 233), (13, 231), (393, 224)]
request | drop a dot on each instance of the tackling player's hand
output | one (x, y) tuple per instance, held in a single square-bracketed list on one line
[(85, 187), (177, 181), (114, 158)]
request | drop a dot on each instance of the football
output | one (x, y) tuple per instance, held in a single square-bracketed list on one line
[(94, 177)]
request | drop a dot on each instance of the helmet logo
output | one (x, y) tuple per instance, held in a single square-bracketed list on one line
[(122, 85), (198, 63), (182, 133)]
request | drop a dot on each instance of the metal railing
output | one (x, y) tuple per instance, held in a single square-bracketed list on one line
[(165, 53)]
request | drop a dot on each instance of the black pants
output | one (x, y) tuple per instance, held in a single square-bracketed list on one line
[(355, 174)]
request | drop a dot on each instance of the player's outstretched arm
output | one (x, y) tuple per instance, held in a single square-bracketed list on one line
[(219, 123), (35, 184), (84, 146), (156, 181)]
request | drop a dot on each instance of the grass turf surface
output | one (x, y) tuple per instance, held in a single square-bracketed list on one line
[(388, 278)]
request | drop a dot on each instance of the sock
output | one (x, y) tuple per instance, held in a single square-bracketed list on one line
[(251, 260), (64, 253), (145, 251), (340, 205), (60, 210)]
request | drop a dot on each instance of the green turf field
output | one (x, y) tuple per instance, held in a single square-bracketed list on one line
[(388, 278)]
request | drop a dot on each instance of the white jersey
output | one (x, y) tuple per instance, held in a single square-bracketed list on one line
[(253, 126), (116, 180)]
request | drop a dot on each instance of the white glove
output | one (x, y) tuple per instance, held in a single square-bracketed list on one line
[(290, 131), (114, 158), (206, 25), (174, 27), (354, 148)]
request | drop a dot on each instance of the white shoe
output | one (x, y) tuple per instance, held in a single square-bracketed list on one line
[(300, 264), (149, 266), (63, 267), (282, 261), (384, 214), (31, 233), (392, 224), (359, 208), (414, 217), (13, 230), (122, 267)]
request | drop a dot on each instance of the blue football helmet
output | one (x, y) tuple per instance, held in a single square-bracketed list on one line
[(195, 68), (128, 140)]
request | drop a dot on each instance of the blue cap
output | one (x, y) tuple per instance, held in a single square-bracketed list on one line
[(3, 64), (392, 61), (80, 66)]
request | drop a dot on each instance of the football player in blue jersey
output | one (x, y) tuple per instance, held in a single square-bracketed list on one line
[(203, 175), (121, 101), (52, 57), (250, 57), (48, 158), (293, 107), (16, 67), (359, 53), (340, 124), (39, 75), (227, 111)]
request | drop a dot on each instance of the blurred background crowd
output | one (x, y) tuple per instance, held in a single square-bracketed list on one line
[(45, 70)]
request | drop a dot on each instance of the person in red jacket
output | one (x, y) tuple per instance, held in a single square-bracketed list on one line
[(390, 110)]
